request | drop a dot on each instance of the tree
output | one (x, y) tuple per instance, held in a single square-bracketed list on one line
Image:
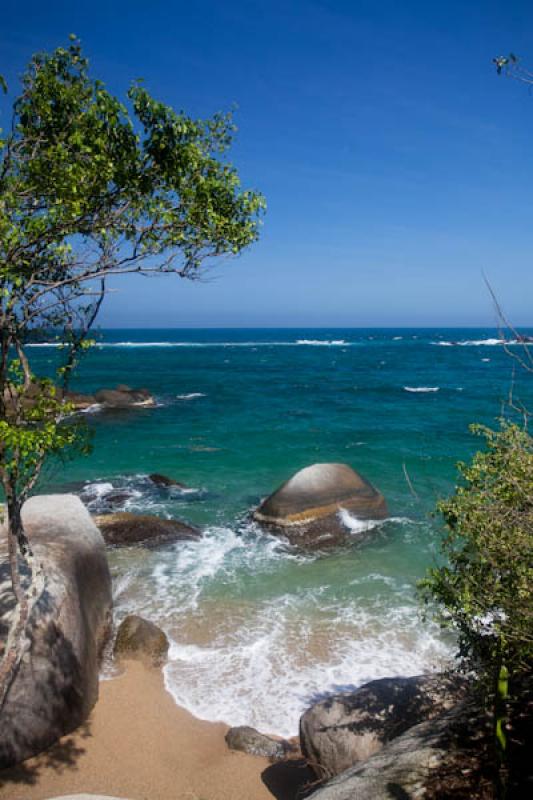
[(91, 187)]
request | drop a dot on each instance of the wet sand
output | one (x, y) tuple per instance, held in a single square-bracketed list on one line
[(137, 744)]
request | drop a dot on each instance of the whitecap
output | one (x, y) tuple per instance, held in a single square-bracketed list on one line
[(422, 389), (190, 396)]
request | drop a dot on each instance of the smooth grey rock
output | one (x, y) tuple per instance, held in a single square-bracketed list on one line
[(402, 769), (248, 740), (124, 527), (346, 729), (140, 639), (306, 508), (56, 683)]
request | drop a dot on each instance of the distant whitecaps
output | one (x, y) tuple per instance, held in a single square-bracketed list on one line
[(421, 388), (325, 342), (477, 343), (190, 396)]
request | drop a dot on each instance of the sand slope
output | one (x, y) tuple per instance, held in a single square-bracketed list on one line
[(138, 744)]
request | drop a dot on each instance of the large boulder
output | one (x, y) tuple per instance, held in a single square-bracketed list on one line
[(348, 728), (405, 767), (139, 639), (248, 740), (56, 683), (124, 528), (307, 508)]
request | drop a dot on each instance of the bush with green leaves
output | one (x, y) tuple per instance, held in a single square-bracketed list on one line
[(483, 590)]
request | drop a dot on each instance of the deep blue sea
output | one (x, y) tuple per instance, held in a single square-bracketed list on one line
[(257, 629)]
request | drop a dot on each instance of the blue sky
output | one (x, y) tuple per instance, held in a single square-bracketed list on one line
[(396, 165)]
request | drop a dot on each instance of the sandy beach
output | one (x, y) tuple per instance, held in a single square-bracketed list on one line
[(139, 745)]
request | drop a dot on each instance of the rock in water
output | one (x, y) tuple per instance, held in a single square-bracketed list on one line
[(348, 728), (165, 482), (124, 397), (142, 640), (248, 740), (306, 508), (56, 683), (127, 528)]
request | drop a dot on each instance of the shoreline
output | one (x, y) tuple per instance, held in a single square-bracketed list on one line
[(138, 744)]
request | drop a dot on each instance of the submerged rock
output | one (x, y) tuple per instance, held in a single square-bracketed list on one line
[(165, 482), (124, 527), (306, 508), (140, 639), (248, 740), (56, 683), (348, 728)]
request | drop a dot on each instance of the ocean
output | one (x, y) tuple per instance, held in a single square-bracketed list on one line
[(259, 630)]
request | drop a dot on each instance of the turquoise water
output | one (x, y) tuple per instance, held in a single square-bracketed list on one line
[(258, 629)]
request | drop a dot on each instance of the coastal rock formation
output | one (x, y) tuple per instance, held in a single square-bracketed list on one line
[(346, 729), (404, 767), (56, 683), (123, 397), (126, 528), (140, 639), (165, 482), (306, 508), (248, 740)]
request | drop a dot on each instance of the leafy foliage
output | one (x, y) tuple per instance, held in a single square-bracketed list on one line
[(92, 187), (483, 591)]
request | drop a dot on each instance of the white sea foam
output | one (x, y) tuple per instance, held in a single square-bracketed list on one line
[(92, 409), (242, 653), (356, 525), (422, 389), (477, 343), (190, 396), (322, 342)]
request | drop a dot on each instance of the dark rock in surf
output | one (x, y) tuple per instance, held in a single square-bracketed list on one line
[(124, 397), (139, 639), (165, 482), (248, 740), (124, 528), (306, 508)]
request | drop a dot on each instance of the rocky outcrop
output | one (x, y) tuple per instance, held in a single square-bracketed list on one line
[(124, 528), (56, 683), (248, 740), (123, 397), (120, 398), (306, 509), (403, 768), (346, 729), (165, 482), (139, 639)]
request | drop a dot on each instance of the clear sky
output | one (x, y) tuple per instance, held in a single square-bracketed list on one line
[(396, 165)]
